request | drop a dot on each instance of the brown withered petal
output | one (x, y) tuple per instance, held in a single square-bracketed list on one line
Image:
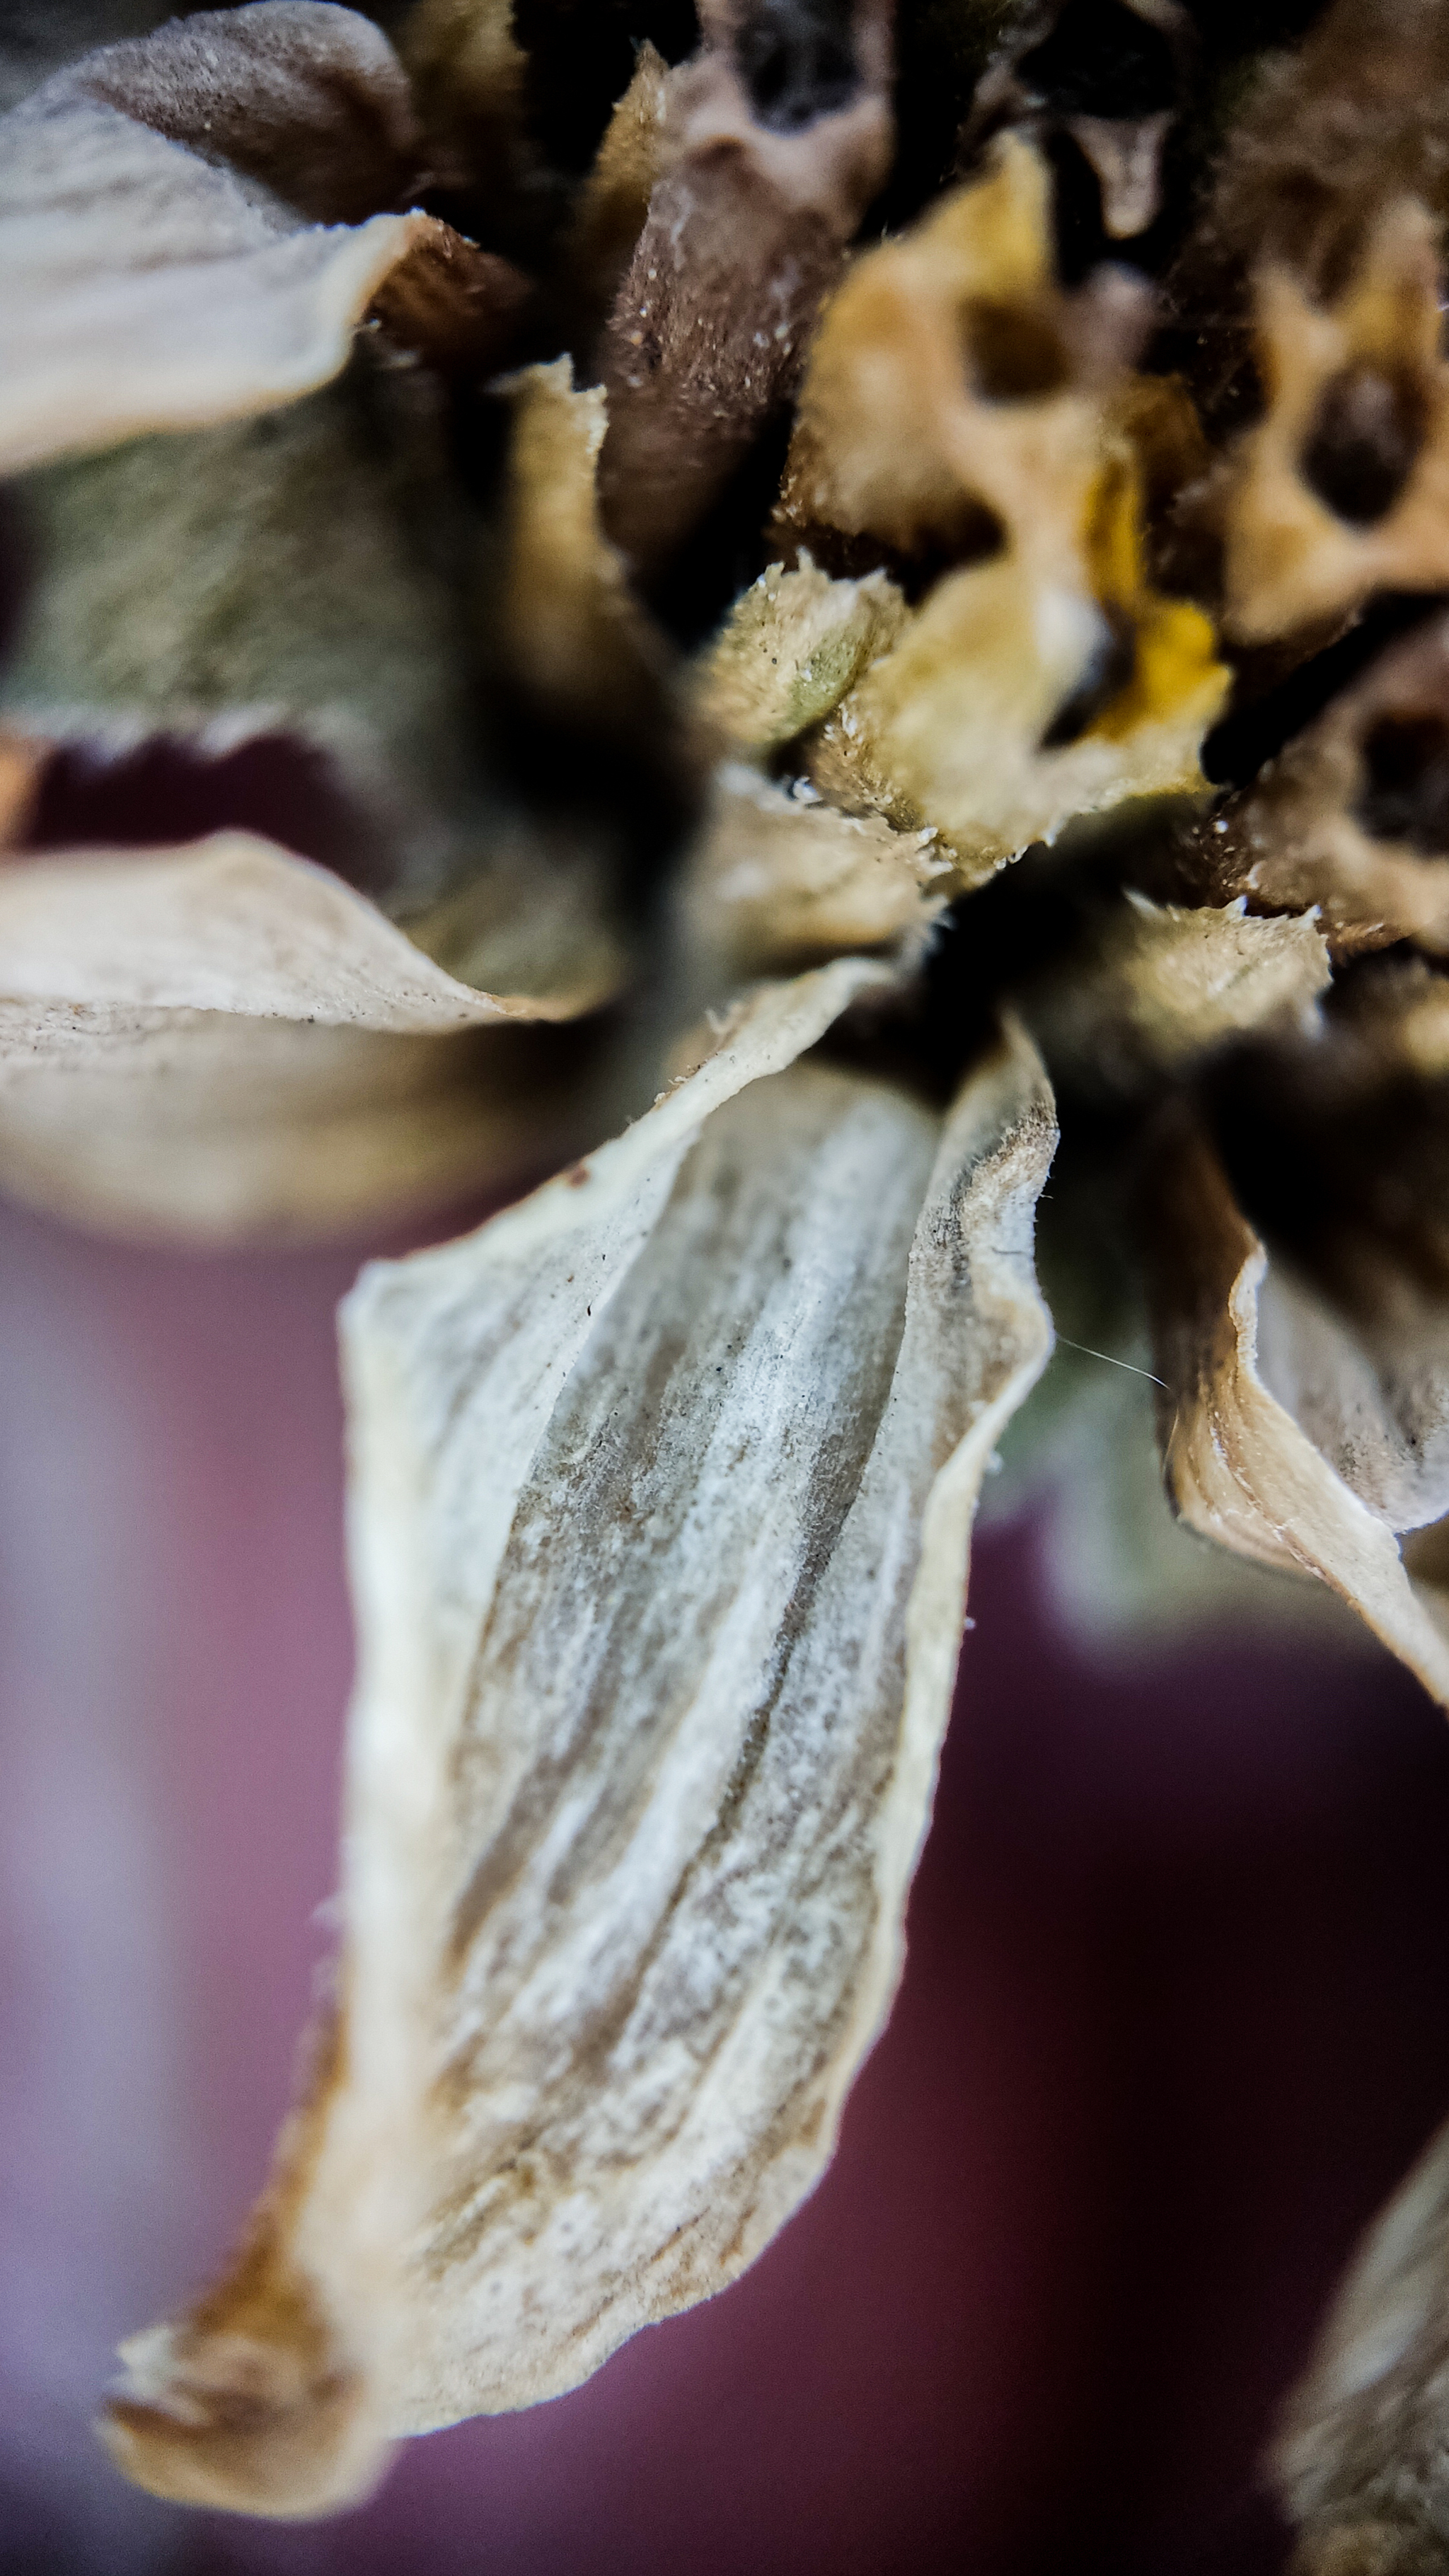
[(162, 261), (1343, 487), (1240, 1468), (614, 199), (451, 303), (777, 881), (1332, 130), (1353, 814), (223, 1039), (745, 235), (1159, 988), (1361, 2459), (643, 1746), (791, 646)]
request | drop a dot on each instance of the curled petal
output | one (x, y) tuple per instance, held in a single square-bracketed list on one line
[(791, 646), (162, 261), (776, 882), (225, 1040), (665, 1483), (1240, 1467)]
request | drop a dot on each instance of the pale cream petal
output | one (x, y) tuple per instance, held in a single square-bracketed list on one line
[(161, 261), (660, 1532), (1239, 1467), (775, 882), (223, 1039)]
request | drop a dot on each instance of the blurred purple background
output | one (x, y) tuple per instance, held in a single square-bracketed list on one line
[(1176, 2018)]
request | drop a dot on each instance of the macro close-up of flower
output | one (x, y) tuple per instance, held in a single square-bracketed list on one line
[(799, 650)]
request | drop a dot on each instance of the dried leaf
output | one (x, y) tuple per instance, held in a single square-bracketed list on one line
[(776, 882), (179, 240), (745, 234), (791, 646), (1240, 1469), (1360, 2461), (1353, 814), (224, 1040), (1159, 988), (1343, 486), (643, 1748)]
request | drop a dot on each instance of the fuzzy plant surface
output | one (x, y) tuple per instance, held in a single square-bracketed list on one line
[(802, 614)]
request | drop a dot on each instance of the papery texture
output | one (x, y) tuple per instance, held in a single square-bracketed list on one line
[(225, 1039), (187, 224), (1241, 1466), (644, 1742)]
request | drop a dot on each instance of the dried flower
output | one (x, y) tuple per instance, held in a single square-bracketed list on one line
[(667, 576)]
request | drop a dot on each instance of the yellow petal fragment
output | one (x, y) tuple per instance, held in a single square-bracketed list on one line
[(665, 1483), (614, 200), (1240, 1469), (150, 275), (1343, 487), (968, 723)]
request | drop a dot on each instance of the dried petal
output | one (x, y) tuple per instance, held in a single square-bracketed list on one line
[(161, 259), (1361, 2458), (1353, 815), (1343, 486), (660, 1541), (1239, 1467), (22, 765), (224, 1040), (1161, 987), (745, 234), (775, 882), (956, 398), (791, 646), (1013, 703)]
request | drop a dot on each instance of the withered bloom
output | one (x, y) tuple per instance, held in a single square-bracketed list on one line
[(831, 588)]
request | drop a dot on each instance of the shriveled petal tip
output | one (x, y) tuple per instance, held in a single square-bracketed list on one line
[(160, 262), (1242, 1461), (659, 1535), (224, 1039)]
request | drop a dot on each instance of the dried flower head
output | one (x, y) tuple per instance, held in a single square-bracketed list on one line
[(855, 593)]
